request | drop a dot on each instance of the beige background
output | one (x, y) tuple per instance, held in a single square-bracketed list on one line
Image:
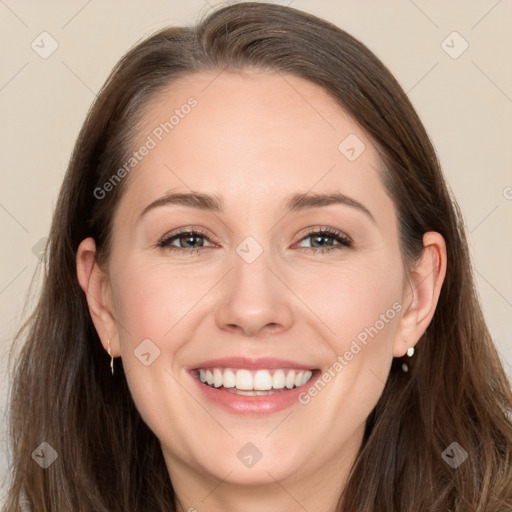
[(465, 104)]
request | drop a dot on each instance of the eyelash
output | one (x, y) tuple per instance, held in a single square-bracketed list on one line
[(344, 240)]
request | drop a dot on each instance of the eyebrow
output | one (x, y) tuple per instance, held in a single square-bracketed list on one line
[(294, 203)]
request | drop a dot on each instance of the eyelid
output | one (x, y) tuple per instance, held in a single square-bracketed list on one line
[(310, 230), (187, 229), (183, 230)]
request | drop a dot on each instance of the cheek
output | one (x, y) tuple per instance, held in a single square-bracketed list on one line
[(360, 310), (358, 303), (151, 300), (149, 304), (152, 307)]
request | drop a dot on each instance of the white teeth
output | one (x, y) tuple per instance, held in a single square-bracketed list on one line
[(229, 379), (290, 380), (217, 378), (262, 380), (259, 380), (244, 380), (278, 379)]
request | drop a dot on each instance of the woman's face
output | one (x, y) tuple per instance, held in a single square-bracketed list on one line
[(293, 265)]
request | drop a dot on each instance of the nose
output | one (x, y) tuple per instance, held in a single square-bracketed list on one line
[(255, 299)]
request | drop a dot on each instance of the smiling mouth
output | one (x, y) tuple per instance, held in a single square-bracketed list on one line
[(253, 382)]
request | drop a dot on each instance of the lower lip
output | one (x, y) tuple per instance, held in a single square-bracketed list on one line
[(254, 405)]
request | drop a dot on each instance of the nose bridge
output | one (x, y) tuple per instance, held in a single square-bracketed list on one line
[(254, 297), (252, 276)]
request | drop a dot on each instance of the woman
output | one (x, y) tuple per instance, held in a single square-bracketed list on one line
[(319, 346)]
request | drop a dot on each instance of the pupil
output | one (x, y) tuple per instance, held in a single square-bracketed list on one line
[(190, 237), (321, 237)]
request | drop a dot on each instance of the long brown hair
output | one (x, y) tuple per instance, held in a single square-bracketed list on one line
[(62, 391)]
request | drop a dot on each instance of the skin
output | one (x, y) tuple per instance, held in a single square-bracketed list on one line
[(254, 139)]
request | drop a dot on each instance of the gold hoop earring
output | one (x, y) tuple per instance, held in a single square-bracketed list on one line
[(111, 359)]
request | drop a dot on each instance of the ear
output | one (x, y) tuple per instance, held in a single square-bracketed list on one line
[(421, 293), (96, 285)]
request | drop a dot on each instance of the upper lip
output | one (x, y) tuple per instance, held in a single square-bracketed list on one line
[(250, 363)]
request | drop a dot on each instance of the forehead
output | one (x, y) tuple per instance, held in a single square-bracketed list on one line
[(278, 110), (252, 136)]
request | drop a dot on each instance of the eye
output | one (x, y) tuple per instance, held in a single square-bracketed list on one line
[(189, 241), (327, 239)]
